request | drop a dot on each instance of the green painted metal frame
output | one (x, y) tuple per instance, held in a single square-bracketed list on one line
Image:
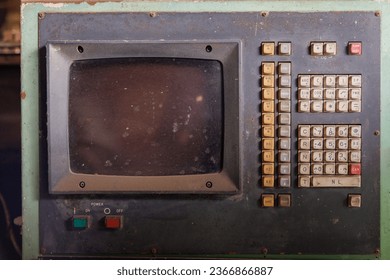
[(30, 111)]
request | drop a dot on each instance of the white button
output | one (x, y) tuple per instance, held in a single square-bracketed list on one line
[(316, 93), (317, 168), (355, 81), (303, 106), (303, 181), (284, 181), (342, 93), (355, 144), (330, 93), (342, 131), (342, 144), (284, 48), (317, 130), (284, 118), (330, 131), (304, 131), (329, 106), (284, 156), (303, 93), (317, 81), (355, 156), (284, 169), (330, 48), (304, 81), (342, 106), (304, 156), (355, 106), (355, 93), (329, 168), (284, 144), (317, 156), (317, 144), (304, 143), (342, 81), (284, 93), (342, 169), (330, 156), (284, 106), (316, 48), (330, 143), (330, 81), (284, 68), (285, 81), (284, 131), (304, 168), (355, 131), (342, 156), (316, 106), (336, 181)]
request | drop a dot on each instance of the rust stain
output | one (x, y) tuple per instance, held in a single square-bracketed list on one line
[(23, 95)]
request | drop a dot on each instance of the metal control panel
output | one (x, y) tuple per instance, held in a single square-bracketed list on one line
[(309, 142)]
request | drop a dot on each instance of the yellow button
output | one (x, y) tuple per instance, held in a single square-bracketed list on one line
[(268, 156), (284, 200), (268, 93), (268, 181), (268, 81), (267, 106), (268, 131), (267, 200), (268, 144), (268, 68), (268, 169), (268, 48), (268, 118)]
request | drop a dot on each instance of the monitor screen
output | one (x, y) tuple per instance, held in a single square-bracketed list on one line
[(145, 116)]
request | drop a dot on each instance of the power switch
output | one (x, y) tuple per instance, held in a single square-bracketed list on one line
[(80, 222), (113, 222)]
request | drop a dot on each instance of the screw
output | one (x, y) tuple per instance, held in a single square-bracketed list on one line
[(377, 13), (154, 251), (264, 14), (377, 132), (152, 14), (264, 251), (41, 15), (209, 184), (82, 184)]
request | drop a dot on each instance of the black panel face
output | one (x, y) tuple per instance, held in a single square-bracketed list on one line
[(309, 90), (145, 116)]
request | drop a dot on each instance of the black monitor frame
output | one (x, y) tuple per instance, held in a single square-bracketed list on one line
[(59, 57)]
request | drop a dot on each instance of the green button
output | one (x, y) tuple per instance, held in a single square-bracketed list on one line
[(80, 222)]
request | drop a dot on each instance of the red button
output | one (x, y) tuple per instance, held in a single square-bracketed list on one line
[(113, 222), (355, 169), (355, 48)]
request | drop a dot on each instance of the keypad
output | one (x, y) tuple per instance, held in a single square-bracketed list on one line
[(329, 93), (329, 155)]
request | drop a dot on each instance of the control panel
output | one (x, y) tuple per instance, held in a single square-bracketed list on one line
[(308, 134)]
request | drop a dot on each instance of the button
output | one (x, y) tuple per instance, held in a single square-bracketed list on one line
[(342, 106), (267, 81), (329, 106), (330, 131), (304, 143), (354, 200), (268, 48), (316, 93), (342, 169), (330, 48), (330, 93), (355, 144), (268, 200), (268, 68), (284, 156), (303, 181), (284, 200), (342, 156), (284, 68), (355, 106), (304, 93), (304, 131), (355, 93), (355, 131), (80, 222), (284, 131), (284, 106), (317, 156), (355, 48), (330, 156), (317, 131), (284, 181), (330, 81), (355, 156), (317, 144), (267, 106), (284, 48), (268, 156), (330, 144), (342, 131), (268, 181), (284, 169), (342, 93), (268, 144), (304, 156), (342, 144), (284, 93), (284, 81), (268, 93), (316, 48), (268, 169), (304, 106), (113, 222), (355, 169), (317, 81), (304, 168), (284, 144), (267, 118), (284, 118), (336, 181), (317, 168), (329, 169), (316, 106), (304, 81), (355, 81), (342, 81), (268, 131)]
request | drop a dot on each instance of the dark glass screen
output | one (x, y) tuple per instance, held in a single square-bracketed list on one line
[(145, 116)]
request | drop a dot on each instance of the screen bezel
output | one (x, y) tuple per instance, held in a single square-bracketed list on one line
[(59, 57)]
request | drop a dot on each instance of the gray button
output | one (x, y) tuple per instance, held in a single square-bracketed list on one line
[(285, 181), (285, 81), (284, 156), (284, 169), (284, 48), (284, 68)]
